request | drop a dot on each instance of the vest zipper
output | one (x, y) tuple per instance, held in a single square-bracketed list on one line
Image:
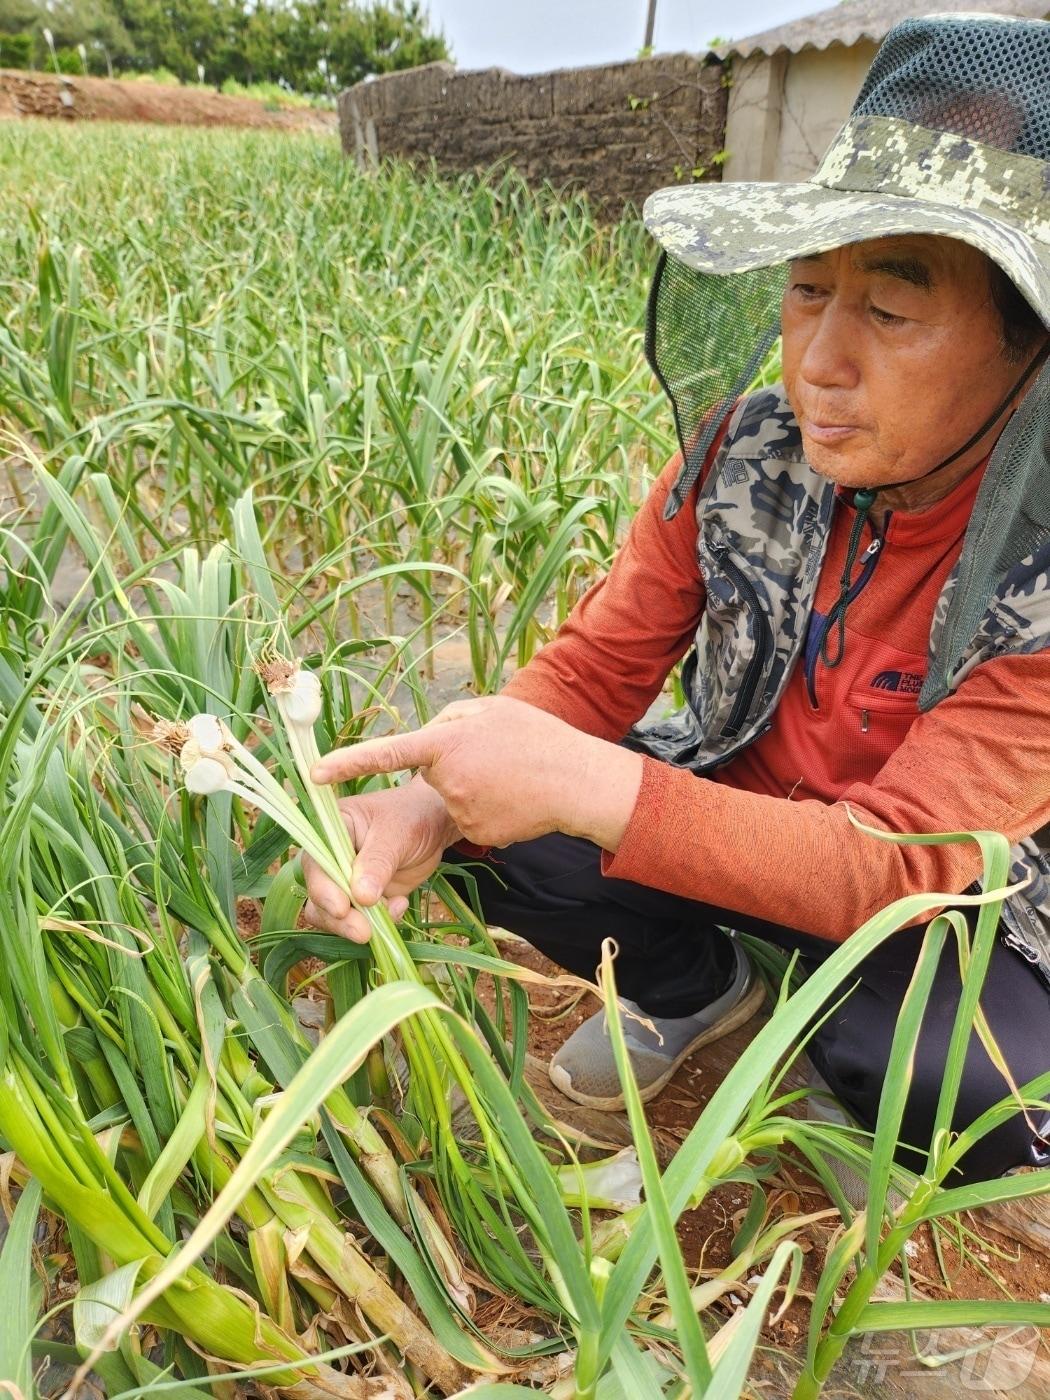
[(746, 694), (1017, 943), (868, 560), (1031, 955)]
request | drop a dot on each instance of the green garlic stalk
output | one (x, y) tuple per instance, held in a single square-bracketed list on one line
[(212, 760), (434, 1061)]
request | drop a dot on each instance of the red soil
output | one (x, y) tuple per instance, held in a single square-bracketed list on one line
[(102, 99)]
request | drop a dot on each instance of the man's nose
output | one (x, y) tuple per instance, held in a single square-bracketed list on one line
[(829, 360)]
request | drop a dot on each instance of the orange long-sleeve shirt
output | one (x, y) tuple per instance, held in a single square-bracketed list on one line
[(768, 834)]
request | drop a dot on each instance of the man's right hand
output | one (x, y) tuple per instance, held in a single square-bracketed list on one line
[(399, 835)]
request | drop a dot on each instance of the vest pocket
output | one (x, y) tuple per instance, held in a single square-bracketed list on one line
[(744, 700)]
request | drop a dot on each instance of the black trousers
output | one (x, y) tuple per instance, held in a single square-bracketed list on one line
[(674, 959)]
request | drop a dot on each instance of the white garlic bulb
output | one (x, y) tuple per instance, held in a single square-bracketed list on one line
[(208, 732), (301, 702), (206, 776)]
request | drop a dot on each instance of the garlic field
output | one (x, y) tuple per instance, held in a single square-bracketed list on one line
[(281, 445)]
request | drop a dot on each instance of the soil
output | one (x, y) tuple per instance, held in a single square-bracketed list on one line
[(25, 94)]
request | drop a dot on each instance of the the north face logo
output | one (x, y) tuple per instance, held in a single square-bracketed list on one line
[(910, 682)]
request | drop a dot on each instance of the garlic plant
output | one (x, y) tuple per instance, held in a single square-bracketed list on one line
[(213, 761), (482, 1187)]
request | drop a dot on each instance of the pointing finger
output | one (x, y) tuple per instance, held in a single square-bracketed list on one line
[(417, 750)]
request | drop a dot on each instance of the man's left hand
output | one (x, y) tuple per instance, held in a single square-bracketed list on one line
[(508, 772)]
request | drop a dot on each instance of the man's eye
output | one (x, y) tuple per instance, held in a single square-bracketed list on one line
[(886, 318), (807, 290)]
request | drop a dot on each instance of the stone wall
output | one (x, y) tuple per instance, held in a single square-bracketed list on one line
[(618, 131)]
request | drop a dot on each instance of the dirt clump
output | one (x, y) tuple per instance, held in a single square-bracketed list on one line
[(25, 94)]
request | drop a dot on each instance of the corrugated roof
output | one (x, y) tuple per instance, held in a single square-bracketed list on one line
[(867, 19)]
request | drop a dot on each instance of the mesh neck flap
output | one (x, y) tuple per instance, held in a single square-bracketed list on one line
[(706, 337), (1010, 523)]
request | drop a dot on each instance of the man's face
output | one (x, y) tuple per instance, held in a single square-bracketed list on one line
[(892, 355)]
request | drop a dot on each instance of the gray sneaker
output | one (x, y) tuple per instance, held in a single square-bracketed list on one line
[(823, 1107), (584, 1068)]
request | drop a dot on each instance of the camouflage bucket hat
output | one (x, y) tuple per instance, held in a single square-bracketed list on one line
[(949, 135)]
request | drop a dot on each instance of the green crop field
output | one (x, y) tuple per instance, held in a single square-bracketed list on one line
[(399, 371), (260, 410)]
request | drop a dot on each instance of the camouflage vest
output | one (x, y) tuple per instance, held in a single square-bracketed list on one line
[(764, 517)]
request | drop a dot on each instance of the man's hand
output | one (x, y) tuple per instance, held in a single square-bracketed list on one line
[(399, 836), (507, 772)]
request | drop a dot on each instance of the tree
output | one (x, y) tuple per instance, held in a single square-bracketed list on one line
[(93, 23), (383, 38), (310, 46), (179, 35), (325, 45), (16, 50), (17, 16)]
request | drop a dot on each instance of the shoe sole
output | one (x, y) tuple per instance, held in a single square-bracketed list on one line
[(741, 1013)]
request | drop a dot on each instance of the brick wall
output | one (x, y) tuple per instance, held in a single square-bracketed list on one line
[(618, 131)]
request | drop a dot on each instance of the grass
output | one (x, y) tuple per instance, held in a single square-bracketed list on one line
[(272, 94), (255, 393)]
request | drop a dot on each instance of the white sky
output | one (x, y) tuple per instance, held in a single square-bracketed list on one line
[(530, 36)]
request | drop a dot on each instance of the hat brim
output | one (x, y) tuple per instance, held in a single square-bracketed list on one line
[(731, 228)]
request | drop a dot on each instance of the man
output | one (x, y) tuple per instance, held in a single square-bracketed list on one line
[(858, 565)]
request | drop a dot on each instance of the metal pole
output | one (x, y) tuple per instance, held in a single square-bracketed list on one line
[(650, 25)]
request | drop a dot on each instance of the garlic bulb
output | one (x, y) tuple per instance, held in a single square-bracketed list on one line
[(205, 758), (301, 702), (213, 760), (208, 732), (205, 775), (612, 1183)]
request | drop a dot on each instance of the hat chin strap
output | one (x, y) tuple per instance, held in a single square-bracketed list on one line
[(986, 426), (833, 636)]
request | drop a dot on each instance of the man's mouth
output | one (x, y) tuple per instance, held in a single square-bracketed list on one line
[(828, 433)]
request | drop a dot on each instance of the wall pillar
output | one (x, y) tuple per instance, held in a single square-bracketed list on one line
[(756, 99)]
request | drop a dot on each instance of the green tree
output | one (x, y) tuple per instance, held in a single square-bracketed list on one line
[(306, 45), (92, 23), (382, 38), (326, 45), (16, 50), (181, 35), (18, 16)]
